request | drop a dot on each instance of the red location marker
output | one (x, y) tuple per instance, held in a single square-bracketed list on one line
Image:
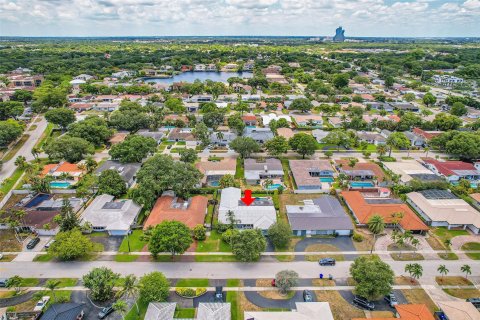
[(248, 200)]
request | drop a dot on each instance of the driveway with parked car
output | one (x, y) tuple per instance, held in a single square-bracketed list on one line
[(380, 305)]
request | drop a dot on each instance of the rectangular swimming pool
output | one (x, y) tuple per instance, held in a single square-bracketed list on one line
[(361, 184), (326, 179), (60, 184)]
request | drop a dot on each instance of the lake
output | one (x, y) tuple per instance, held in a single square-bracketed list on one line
[(191, 76)]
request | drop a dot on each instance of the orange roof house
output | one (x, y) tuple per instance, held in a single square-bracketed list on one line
[(169, 207), (408, 312), (57, 169), (362, 209)]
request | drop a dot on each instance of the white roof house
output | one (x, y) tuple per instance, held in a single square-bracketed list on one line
[(304, 311), (260, 214), (160, 311), (272, 116), (115, 217)]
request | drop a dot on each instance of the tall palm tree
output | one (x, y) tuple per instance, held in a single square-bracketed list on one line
[(414, 242), (52, 285), (442, 269), (426, 149), (267, 183), (409, 269), (447, 244), (121, 307), (467, 270), (35, 152), (381, 149), (417, 271), (376, 225), (130, 289)]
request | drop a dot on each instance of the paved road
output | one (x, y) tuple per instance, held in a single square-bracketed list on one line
[(9, 166), (211, 270)]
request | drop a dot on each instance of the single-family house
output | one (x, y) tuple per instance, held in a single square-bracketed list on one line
[(441, 208), (410, 170), (213, 171), (205, 311), (183, 135), (319, 135), (426, 135), (260, 135), (371, 137), (249, 119), (156, 135), (191, 212), (128, 171), (260, 214), (311, 120), (361, 171), (106, 106), (116, 217), (258, 169), (457, 310), (287, 133), (222, 138), (404, 106), (303, 311), (70, 171), (266, 118), (311, 174), (454, 171), (320, 216), (363, 206), (64, 311), (118, 137), (336, 122)]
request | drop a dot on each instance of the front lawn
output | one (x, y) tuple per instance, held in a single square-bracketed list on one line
[(132, 314), (406, 256), (215, 258), (192, 283), (472, 246), (419, 296), (8, 242), (233, 283), (341, 309), (240, 171), (443, 233), (126, 257), (213, 243), (136, 244)]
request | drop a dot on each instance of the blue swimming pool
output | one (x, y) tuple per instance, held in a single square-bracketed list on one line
[(274, 186), (214, 183), (361, 184), (60, 184), (326, 179)]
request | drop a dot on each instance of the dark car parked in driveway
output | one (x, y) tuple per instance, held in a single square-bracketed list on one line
[(3, 282), (363, 303), (219, 294), (307, 296), (105, 312), (327, 262), (32, 243), (391, 299), (475, 302)]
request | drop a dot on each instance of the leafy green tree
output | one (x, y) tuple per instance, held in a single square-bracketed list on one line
[(49, 96), (397, 140), (169, 236), (376, 225), (200, 232), (132, 119), (160, 173), (67, 219), (154, 287), (10, 109), (20, 162), (465, 145), (22, 95), (277, 145), (446, 122), (285, 280), (202, 133), (62, 117), (429, 99), (389, 81), (15, 282), (175, 105), (188, 155), (337, 138), (458, 109), (227, 181), (340, 80), (304, 144), (121, 307), (301, 104), (245, 146), (72, 149), (51, 285), (248, 245), (111, 182), (280, 234), (10, 130), (101, 282), (409, 97), (236, 123), (213, 119), (93, 129), (373, 277), (133, 149), (70, 245)]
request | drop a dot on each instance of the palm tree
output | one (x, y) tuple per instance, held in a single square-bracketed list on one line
[(267, 183), (396, 218), (414, 242), (381, 149), (121, 307), (417, 271), (352, 162), (220, 135), (376, 225), (447, 244), (52, 285), (35, 152), (442, 269), (467, 270), (409, 269), (130, 289), (90, 164), (20, 162), (426, 149)]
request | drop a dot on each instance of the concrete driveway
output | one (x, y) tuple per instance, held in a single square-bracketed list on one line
[(342, 243), (109, 243)]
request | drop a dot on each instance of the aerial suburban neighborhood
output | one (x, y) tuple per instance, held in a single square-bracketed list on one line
[(239, 178)]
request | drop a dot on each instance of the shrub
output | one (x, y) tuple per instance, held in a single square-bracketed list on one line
[(357, 237), (276, 200), (190, 292), (229, 234), (199, 232)]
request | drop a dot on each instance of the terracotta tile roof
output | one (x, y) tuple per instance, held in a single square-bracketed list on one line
[(249, 117), (363, 211), (426, 134), (61, 167), (475, 196), (285, 132), (408, 312), (448, 168), (394, 117), (194, 214), (363, 166)]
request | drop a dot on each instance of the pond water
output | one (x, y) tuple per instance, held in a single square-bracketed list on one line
[(202, 76)]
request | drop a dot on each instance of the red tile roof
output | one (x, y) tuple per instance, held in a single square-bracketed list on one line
[(194, 214), (447, 168), (428, 135), (249, 117), (363, 211), (60, 167)]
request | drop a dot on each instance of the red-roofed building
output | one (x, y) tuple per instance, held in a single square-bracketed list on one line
[(427, 135), (249, 119), (364, 208), (58, 169), (453, 171)]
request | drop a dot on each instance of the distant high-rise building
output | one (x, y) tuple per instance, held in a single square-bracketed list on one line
[(339, 35)]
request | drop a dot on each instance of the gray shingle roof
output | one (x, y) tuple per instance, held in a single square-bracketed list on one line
[(63, 311)]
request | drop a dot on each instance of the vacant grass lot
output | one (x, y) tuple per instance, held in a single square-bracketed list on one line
[(453, 281)]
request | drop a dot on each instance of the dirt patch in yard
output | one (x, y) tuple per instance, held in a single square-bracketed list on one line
[(453, 281), (341, 309), (382, 314), (323, 282), (367, 242), (406, 256), (402, 280), (263, 282), (8, 242)]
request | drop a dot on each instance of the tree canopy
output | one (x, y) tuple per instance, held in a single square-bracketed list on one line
[(133, 149), (373, 277), (169, 236), (72, 149)]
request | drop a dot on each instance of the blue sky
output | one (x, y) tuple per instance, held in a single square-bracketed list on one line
[(401, 18)]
